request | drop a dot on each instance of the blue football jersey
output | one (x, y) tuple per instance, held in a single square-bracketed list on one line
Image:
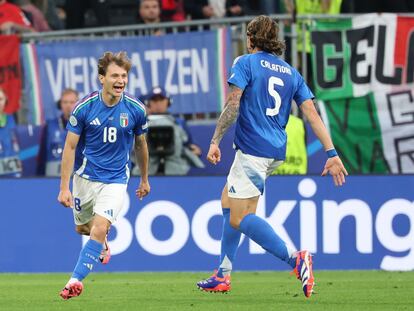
[(269, 84), (106, 136)]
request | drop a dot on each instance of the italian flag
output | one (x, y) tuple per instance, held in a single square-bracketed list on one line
[(363, 79)]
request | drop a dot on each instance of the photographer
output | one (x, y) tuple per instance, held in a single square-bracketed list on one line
[(171, 149)]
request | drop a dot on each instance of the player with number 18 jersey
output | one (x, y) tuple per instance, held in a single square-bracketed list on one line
[(106, 136)]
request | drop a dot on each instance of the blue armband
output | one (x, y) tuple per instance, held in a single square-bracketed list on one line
[(331, 153)]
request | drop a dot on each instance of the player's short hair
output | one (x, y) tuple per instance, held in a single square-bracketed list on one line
[(263, 32), (121, 59)]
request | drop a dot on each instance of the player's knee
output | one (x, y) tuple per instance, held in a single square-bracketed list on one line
[(82, 229), (235, 222)]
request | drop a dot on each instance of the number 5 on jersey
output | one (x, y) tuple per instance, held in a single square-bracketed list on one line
[(109, 134), (271, 89)]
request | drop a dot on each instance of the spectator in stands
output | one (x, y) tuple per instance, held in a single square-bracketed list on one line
[(202, 9), (12, 19), (171, 149), (150, 13), (76, 9), (38, 20), (10, 164), (53, 12), (54, 135)]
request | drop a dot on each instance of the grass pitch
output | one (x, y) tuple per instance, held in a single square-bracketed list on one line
[(337, 290)]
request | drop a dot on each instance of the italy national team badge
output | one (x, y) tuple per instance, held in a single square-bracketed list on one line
[(123, 119)]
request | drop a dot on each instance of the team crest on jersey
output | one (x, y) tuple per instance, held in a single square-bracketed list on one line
[(123, 119)]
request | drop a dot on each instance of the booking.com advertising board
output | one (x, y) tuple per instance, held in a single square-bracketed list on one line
[(366, 224)]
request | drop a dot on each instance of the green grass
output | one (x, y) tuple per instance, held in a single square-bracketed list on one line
[(337, 290)]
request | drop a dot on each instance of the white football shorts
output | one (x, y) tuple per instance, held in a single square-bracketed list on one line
[(247, 175), (94, 197)]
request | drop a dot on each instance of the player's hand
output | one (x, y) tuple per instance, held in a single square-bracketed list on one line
[(143, 189), (65, 198), (335, 167), (214, 154)]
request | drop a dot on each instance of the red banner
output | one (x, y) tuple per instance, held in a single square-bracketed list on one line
[(10, 73)]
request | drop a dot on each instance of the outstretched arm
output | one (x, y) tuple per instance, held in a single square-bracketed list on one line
[(227, 117), (141, 154), (68, 160), (334, 164)]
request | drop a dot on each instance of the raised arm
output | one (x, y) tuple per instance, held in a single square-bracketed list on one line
[(141, 154), (334, 164), (227, 117), (68, 160)]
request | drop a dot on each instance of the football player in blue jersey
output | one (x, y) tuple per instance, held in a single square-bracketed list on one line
[(262, 87), (101, 132)]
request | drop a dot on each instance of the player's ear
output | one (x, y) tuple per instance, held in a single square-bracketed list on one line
[(101, 78)]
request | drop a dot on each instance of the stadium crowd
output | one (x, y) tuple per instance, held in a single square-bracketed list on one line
[(46, 15)]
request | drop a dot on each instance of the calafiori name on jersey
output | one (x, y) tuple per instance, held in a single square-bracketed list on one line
[(275, 67)]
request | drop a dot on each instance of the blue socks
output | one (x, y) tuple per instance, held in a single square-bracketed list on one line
[(88, 256), (263, 234), (229, 243)]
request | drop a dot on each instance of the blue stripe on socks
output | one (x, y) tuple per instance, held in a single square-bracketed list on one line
[(263, 234), (89, 255), (230, 240)]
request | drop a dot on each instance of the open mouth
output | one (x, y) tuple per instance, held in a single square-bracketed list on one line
[(118, 89)]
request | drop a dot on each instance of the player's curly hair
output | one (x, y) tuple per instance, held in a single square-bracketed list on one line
[(264, 35), (121, 59)]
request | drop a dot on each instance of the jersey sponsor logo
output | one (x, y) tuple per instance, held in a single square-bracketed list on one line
[(73, 121), (123, 119), (95, 122)]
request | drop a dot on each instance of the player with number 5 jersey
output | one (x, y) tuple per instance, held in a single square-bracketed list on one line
[(262, 87), (102, 129)]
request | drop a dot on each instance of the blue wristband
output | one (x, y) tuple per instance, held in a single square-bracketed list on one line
[(331, 153)]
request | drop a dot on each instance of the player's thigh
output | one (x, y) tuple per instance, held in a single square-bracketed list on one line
[(84, 192), (110, 201), (225, 198)]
